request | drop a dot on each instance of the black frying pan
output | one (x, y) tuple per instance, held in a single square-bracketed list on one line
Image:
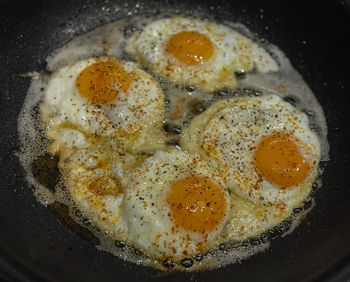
[(35, 246)]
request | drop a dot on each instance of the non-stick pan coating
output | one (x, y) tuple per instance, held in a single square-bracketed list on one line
[(34, 245)]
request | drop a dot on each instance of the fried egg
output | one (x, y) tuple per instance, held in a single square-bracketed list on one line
[(103, 97), (96, 182), (262, 146), (175, 205), (198, 53)]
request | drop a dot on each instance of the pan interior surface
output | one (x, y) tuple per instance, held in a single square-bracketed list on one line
[(35, 242)]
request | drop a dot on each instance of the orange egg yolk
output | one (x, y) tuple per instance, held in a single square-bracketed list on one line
[(197, 204), (101, 82), (278, 159), (190, 48)]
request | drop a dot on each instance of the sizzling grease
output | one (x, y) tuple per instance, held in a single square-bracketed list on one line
[(182, 104)]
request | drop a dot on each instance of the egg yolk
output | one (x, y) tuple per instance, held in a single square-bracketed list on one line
[(278, 159), (190, 48), (101, 82), (196, 203)]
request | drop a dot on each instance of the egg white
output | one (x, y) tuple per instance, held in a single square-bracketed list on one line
[(233, 52)]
